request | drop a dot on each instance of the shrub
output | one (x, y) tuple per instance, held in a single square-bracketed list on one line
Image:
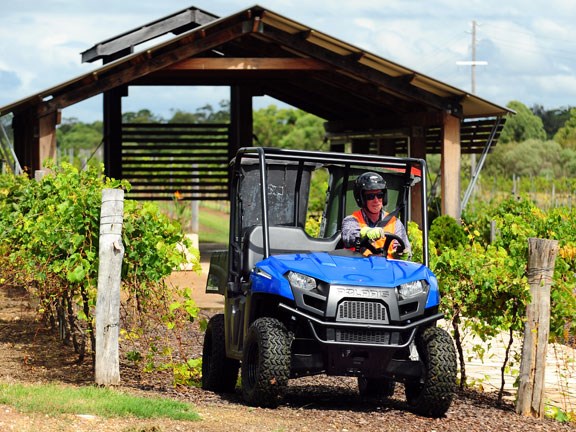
[(49, 235)]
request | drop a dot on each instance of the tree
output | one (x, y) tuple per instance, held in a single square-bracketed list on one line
[(204, 114), (532, 158), (552, 119), (522, 126), (142, 116), (307, 132), (566, 135), (288, 128), (73, 134)]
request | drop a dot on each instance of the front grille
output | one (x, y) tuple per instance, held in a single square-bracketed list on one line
[(363, 336), (361, 311)]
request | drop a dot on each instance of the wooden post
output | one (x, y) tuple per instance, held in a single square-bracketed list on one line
[(541, 259), (450, 166), (107, 368)]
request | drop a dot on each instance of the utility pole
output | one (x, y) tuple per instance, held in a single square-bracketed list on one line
[(473, 88), (473, 63)]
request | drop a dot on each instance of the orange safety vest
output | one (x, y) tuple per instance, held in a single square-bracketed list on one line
[(378, 244)]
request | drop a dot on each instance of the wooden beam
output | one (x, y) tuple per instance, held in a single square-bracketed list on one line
[(251, 63), (126, 71), (25, 126), (422, 119), (450, 167), (241, 121), (176, 23), (112, 108)]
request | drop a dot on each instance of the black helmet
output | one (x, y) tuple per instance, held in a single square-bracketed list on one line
[(369, 181)]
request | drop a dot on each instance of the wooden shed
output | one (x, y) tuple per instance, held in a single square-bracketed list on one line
[(376, 105)]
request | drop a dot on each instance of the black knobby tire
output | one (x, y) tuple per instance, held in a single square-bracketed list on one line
[(433, 394), (376, 387), (266, 363), (219, 373)]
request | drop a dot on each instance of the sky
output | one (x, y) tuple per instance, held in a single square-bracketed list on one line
[(528, 48)]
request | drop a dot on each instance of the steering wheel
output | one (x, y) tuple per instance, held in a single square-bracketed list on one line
[(365, 242)]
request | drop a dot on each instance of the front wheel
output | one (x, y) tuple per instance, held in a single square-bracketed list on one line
[(266, 363), (433, 393), (219, 373)]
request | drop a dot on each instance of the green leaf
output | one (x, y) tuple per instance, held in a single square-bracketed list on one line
[(76, 275)]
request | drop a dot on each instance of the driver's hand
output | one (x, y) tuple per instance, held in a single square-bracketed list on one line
[(401, 253), (371, 233)]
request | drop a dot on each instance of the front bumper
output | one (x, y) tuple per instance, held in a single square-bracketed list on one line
[(362, 334)]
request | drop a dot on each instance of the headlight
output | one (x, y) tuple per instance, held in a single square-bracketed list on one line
[(411, 289), (298, 280)]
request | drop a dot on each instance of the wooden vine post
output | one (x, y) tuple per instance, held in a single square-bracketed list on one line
[(107, 367), (541, 259)]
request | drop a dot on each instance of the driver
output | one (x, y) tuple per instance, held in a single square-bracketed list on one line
[(371, 195)]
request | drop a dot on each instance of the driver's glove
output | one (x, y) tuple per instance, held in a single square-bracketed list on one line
[(371, 233)]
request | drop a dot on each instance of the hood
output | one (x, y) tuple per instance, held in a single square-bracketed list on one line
[(374, 271)]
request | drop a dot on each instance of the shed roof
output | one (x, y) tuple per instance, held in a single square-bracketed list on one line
[(275, 56)]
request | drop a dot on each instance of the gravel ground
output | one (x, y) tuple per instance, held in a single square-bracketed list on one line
[(29, 353)]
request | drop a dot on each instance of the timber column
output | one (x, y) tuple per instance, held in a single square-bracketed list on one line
[(450, 167), (113, 131), (241, 119)]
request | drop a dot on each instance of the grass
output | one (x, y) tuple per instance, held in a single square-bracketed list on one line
[(53, 399), (213, 226), (213, 219)]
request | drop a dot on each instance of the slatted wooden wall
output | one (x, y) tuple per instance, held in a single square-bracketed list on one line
[(161, 159), (474, 135)]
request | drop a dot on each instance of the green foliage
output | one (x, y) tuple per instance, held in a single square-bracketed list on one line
[(485, 286), (318, 188), (73, 134), (566, 135), (447, 233), (288, 128), (416, 243), (557, 414), (142, 116), (49, 232), (205, 114), (523, 125), (517, 220), (532, 158), (552, 119)]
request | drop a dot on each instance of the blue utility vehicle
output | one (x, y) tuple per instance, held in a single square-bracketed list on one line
[(299, 305)]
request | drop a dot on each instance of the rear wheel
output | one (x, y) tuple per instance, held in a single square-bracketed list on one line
[(219, 373), (266, 363), (376, 387), (433, 393)]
